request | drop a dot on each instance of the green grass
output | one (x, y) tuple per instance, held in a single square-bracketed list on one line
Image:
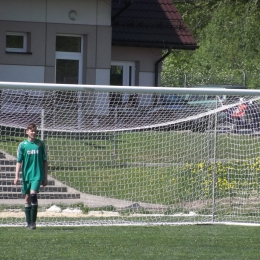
[(159, 242), (89, 149), (166, 168)]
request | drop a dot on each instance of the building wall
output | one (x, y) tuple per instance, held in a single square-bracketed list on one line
[(43, 20), (91, 12), (145, 59)]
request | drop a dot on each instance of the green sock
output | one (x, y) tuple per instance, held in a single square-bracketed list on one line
[(34, 211), (27, 210)]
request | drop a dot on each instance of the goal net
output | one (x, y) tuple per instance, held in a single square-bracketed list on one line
[(135, 155)]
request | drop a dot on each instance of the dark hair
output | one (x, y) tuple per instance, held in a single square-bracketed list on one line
[(31, 126)]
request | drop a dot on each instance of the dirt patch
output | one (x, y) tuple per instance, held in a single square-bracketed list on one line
[(20, 214)]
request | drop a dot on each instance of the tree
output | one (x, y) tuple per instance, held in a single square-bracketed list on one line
[(228, 40)]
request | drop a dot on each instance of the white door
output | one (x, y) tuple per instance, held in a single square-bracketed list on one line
[(122, 73), (68, 70), (69, 55)]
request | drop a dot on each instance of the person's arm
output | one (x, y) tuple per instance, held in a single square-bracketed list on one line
[(17, 170), (45, 182)]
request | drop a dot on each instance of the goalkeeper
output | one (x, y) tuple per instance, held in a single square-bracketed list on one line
[(32, 158)]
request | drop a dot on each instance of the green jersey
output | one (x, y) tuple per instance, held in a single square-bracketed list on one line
[(32, 156)]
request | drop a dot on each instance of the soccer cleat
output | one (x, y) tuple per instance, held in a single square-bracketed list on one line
[(33, 226), (28, 226)]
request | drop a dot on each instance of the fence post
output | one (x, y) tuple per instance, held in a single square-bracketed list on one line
[(185, 80), (244, 79), (214, 173), (115, 147), (42, 124)]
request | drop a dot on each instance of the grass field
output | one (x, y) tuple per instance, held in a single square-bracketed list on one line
[(155, 167), (168, 168), (159, 242)]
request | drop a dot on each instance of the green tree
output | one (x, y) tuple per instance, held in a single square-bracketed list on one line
[(229, 45)]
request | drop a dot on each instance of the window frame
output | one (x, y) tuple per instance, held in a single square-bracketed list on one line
[(71, 56), (25, 43), (128, 80), (129, 70)]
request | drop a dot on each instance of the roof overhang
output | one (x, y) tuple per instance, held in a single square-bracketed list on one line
[(150, 23)]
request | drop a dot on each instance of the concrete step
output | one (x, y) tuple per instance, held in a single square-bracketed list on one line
[(7, 162), (42, 189), (12, 193), (7, 168), (53, 195), (243, 131), (10, 182), (2, 156), (8, 175)]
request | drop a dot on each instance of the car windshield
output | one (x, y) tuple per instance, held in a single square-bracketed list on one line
[(201, 97), (196, 97), (172, 100)]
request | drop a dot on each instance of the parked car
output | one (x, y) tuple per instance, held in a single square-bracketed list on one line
[(212, 100), (173, 108), (178, 107), (245, 116)]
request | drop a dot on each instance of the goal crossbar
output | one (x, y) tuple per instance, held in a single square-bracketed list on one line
[(128, 89)]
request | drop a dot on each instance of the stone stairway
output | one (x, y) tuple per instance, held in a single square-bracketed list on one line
[(54, 191)]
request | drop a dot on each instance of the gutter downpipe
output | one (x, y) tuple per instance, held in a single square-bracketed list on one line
[(157, 66), (156, 71)]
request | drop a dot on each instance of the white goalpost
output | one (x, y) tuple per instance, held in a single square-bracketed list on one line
[(135, 155)]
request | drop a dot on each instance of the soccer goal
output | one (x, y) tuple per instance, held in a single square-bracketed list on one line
[(135, 155)]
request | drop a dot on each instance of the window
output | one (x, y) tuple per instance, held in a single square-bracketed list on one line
[(69, 59), (68, 43), (122, 74), (69, 55), (16, 42)]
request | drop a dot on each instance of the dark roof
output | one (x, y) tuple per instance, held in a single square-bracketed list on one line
[(149, 23)]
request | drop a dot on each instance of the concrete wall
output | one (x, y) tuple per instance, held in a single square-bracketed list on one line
[(145, 59), (42, 20), (91, 12)]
